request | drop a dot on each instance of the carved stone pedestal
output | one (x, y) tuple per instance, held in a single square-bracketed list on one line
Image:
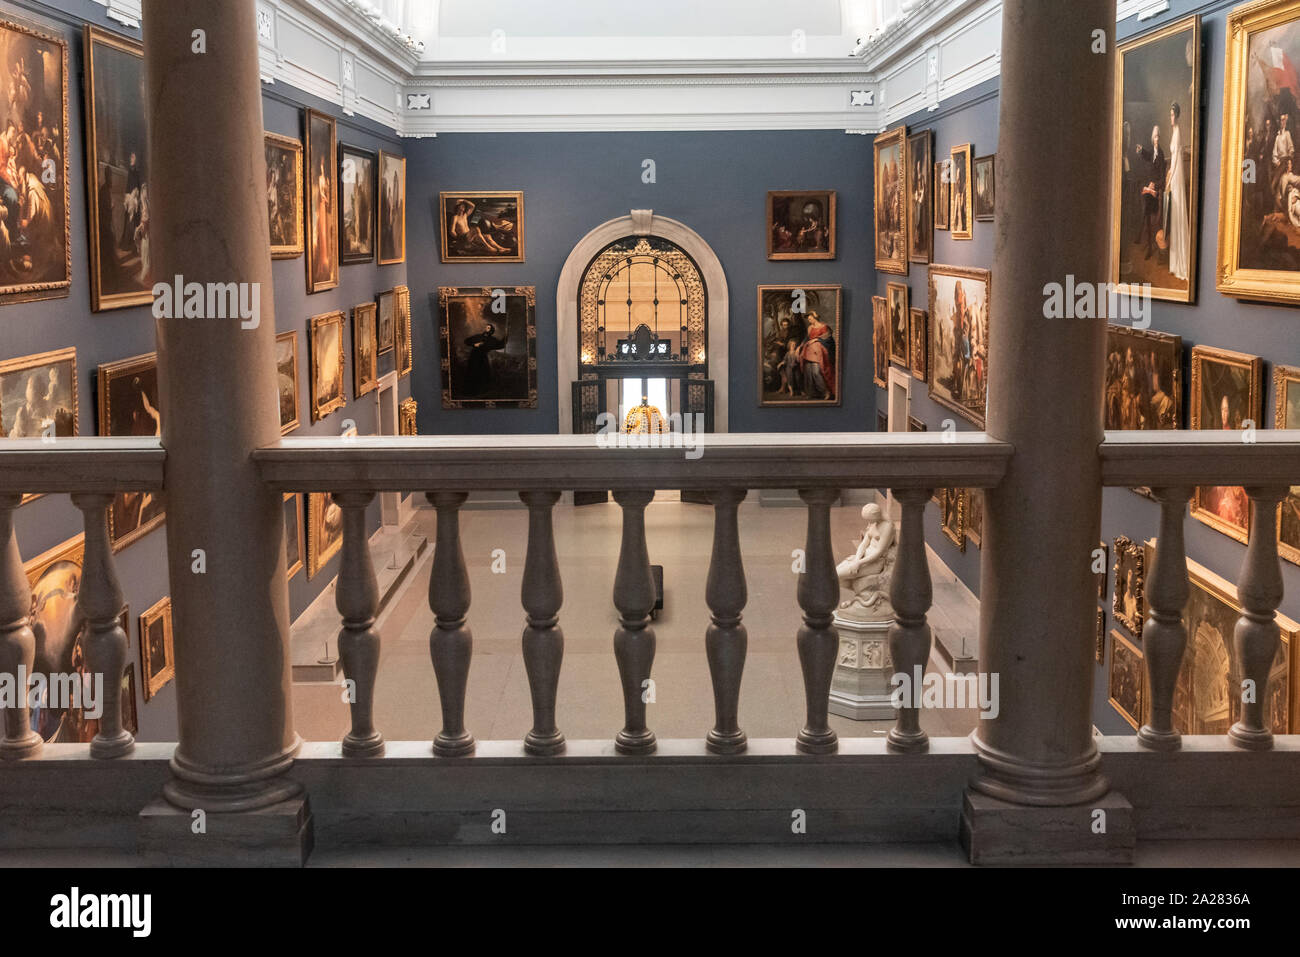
[(277, 836), (860, 688), (997, 832)]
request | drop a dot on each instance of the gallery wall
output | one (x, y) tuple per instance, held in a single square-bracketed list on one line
[(714, 182), (36, 327)]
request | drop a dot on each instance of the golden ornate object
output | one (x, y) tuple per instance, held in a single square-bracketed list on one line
[(645, 419)]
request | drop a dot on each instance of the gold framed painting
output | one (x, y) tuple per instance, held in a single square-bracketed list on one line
[(800, 224), (1100, 651), (481, 226), (324, 531), (959, 339), (961, 205), (54, 578), (880, 340), (891, 205), (1129, 604), (129, 405), (920, 197), (386, 321), (952, 515), (802, 329), (365, 353), (1259, 184), (406, 413), (392, 208), (942, 193), (284, 195), (1144, 379), (36, 262), (896, 298), (1227, 393), (286, 368), (157, 657), (1155, 162), (1286, 415), (293, 534), (357, 213), (1126, 683), (402, 330), (489, 355), (38, 395), (130, 717), (918, 335), (117, 174), (322, 202), (974, 516), (326, 354), (983, 182)]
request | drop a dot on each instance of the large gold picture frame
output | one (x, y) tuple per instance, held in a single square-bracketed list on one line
[(1216, 505), (284, 181), (948, 380), (809, 345), (129, 405), (889, 152), (498, 211), (1152, 51), (320, 143)]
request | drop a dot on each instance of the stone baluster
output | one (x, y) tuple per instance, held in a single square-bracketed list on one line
[(100, 602), (450, 642), (726, 640), (911, 594), (1164, 635), (541, 595), (1256, 638), (357, 598), (634, 639), (17, 642), (818, 642)]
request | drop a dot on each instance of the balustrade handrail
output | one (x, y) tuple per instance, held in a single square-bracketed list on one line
[(588, 462), (81, 465), (1265, 457)]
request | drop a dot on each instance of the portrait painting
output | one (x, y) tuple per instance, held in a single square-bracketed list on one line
[(55, 582), (960, 211), (1155, 162), (157, 659), (356, 205), (974, 516), (920, 197), (365, 354), (1286, 412), (983, 200), (880, 340), (128, 405), (324, 531), (1259, 184), (959, 339), (117, 171), (386, 321), (891, 205), (406, 417), (1129, 604), (942, 193), (1227, 393), (801, 224), (800, 337), (1126, 685), (482, 227), (284, 195), (392, 208), (293, 534), (286, 368), (402, 329), (322, 203), (952, 515), (38, 395), (35, 246), (918, 334), (326, 341), (896, 297), (489, 355), (1144, 379)]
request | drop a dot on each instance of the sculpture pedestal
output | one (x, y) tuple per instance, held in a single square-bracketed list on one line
[(860, 687)]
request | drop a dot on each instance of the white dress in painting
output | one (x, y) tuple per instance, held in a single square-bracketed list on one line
[(1179, 230)]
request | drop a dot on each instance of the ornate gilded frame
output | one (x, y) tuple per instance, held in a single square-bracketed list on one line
[(364, 320), (839, 345), (406, 413), (384, 156), (942, 184), (923, 141), (957, 535), (317, 283), (775, 194), (883, 141), (1282, 377), (296, 567), (918, 338), (162, 610), (516, 194), (316, 558), (287, 427), (19, 364), (893, 289), (879, 334), (1129, 554), (985, 278), (106, 374), (1255, 366), (964, 150), (1118, 641), (402, 329), (319, 410), (290, 250), (529, 294)]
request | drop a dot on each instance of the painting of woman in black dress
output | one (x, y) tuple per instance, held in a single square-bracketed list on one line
[(489, 347)]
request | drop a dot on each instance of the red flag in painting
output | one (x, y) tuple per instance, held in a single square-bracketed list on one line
[(1279, 71)]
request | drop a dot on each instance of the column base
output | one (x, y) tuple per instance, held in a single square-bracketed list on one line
[(457, 746), (901, 742), (20, 749), (639, 742), (120, 745), (733, 743), (998, 832), (280, 835), (544, 745), (1149, 737), (370, 746), (815, 742), (1250, 739)]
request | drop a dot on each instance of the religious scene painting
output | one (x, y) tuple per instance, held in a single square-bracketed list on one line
[(891, 205), (959, 339), (1286, 382), (1126, 684), (1155, 162), (896, 296), (38, 395), (920, 194), (1144, 373), (129, 406), (35, 257), (326, 339), (1226, 393), (880, 340), (801, 224), (322, 204), (918, 335), (56, 622), (117, 173), (356, 205), (481, 227), (392, 208), (284, 195), (489, 356), (961, 204), (286, 369), (800, 340), (942, 193), (983, 200)]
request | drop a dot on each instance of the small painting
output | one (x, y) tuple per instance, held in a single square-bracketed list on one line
[(326, 340), (482, 227), (960, 206), (801, 224), (130, 716), (800, 333), (1144, 379), (942, 193), (293, 533), (959, 339), (284, 195), (918, 335), (356, 205), (406, 413), (982, 202), (1286, 412), (920, 195), (896, 297), (1127, 683), (1129, 605), (880, 340), (1100, 651), (386, 322), (38, 395), (402, 329), (286, 368), (392, 208), (891, 206), (324, 531), (129, 406), (974, 516), (489, 356), (1227, 393), (322, 203), (952, 515), (365, 353), (157, 658)]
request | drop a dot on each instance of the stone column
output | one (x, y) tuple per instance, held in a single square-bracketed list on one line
[(1038, 596), (225, 530)]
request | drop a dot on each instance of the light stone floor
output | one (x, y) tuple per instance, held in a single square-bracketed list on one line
[(590, 702)]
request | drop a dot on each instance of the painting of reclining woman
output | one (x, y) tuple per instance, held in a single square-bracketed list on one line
[(489, 346), (482, 227), (799, 338), (34, 253), (959, 339)]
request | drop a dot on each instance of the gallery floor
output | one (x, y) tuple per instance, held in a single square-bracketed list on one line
[(590, 699)]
